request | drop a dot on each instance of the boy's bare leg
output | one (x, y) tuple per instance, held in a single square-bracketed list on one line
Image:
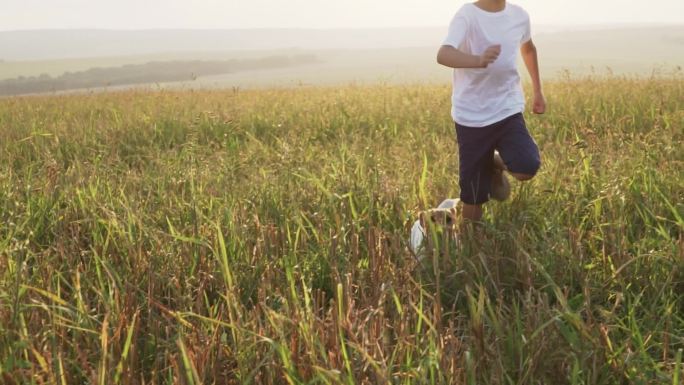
[(471, 213), (499, 164), (500, 187), (470, 225), (521, 177)]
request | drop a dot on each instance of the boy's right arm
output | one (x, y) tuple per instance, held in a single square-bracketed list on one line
[(451, 56), (454, 58)]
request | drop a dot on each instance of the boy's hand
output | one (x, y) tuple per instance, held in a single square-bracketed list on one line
[(539, 103), (490, 55)]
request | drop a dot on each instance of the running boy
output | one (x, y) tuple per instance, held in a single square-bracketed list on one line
[(488, 101)]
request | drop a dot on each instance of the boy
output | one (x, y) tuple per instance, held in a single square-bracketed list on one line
[(488, 101)]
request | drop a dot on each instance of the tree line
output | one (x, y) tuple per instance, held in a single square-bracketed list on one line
[(152, 72)]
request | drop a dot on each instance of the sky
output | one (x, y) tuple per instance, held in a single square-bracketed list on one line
[(232, 14)]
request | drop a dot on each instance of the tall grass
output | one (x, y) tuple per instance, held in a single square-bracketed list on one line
[(259, 237)]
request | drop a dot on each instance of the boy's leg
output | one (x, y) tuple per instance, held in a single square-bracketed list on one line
[(472, 213), (518, 150), (475, 154), (498, 162), (501, 188)]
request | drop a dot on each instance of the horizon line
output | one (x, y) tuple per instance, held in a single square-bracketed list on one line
[(163, 29)]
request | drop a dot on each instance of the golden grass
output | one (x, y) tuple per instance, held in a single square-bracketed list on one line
[(237, 237)]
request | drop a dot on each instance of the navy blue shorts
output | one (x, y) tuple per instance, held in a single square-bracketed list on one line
[(476, 147)]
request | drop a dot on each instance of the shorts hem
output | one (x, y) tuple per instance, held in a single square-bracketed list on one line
[(475, 202)]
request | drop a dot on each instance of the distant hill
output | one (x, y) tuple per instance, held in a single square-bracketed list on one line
[(153, 72)]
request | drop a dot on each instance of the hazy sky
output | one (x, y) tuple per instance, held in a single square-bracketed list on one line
[(145, 14)]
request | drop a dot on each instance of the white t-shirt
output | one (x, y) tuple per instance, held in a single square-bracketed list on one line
[(482, 96)]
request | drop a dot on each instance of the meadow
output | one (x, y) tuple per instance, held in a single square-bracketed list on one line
[(260, 237)]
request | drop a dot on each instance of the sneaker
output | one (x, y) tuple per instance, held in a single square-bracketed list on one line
[(501, 188)]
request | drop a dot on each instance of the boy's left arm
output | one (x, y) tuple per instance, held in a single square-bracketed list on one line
[(529, 55)]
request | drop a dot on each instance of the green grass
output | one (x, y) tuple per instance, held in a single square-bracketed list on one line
[(259, 237)]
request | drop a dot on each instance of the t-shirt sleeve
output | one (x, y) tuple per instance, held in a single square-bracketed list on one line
[(527, 32), (457, 31)]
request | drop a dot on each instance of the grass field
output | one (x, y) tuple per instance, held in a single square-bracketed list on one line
[(259, 237)]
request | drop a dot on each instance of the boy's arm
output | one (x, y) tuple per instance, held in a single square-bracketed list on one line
[(454, 58), (529, 55)]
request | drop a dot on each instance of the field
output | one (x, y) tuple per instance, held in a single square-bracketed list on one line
[(259, 237)]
